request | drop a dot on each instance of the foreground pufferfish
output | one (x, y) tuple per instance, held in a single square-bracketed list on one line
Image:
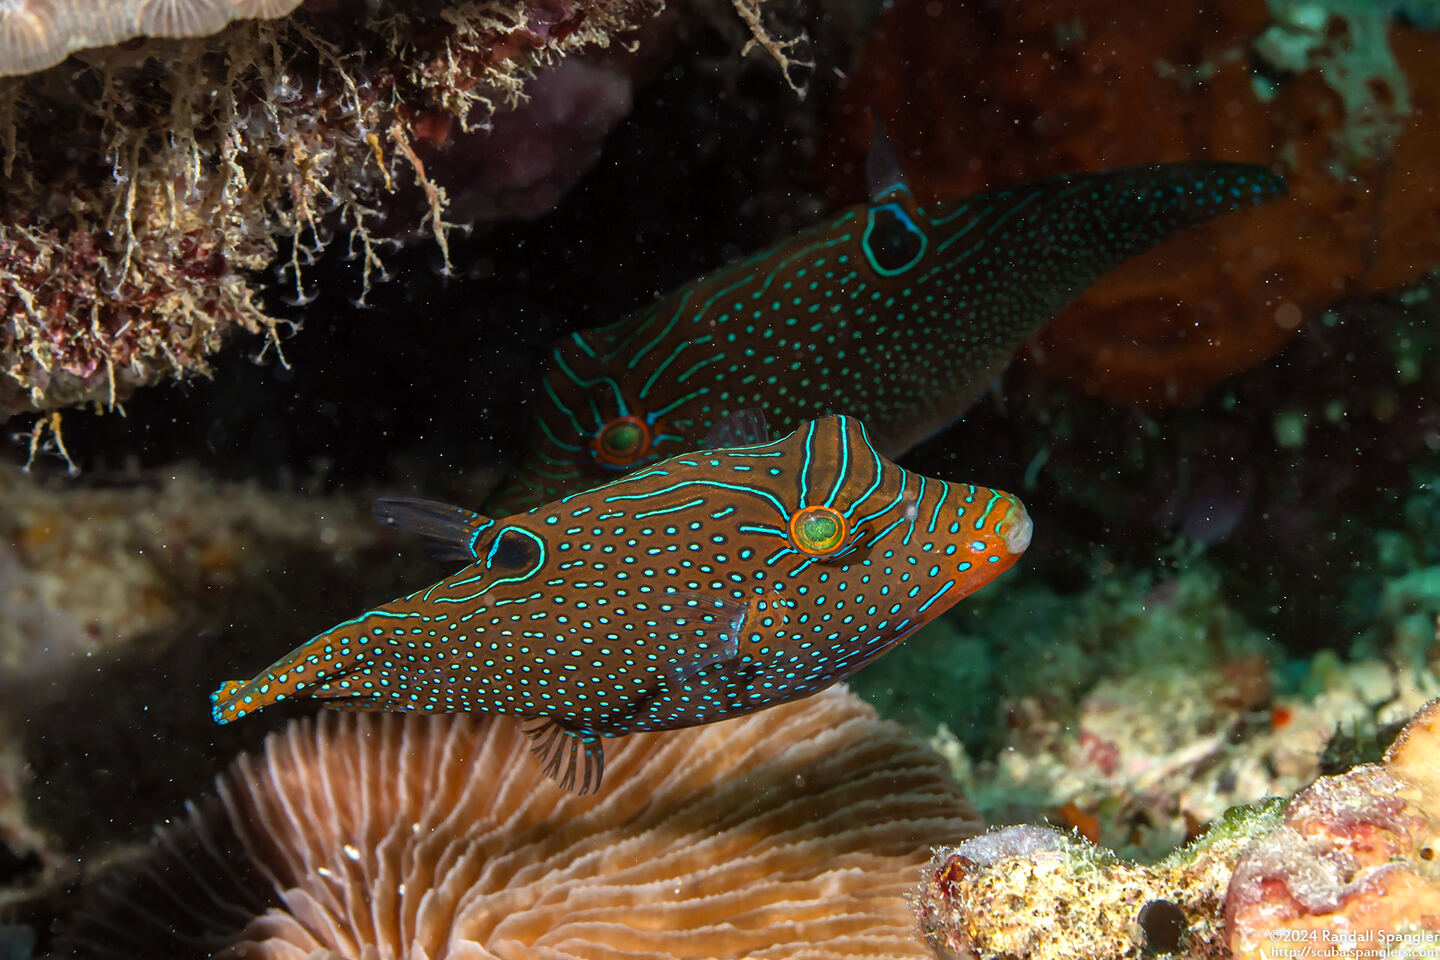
[(709, 585)]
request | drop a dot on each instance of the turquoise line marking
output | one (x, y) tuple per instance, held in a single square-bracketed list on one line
[(569, 474), (545, 427), (560, 405), (779, 555), (879, 475), (638, 355), (886, 532), (898, 499), (804, 251), (675, 315), (684, 484), (702, 364), (580, 341), (608, 381), (650, 383), (675, 509), (994, 499), (910, 227), (935, 516), (943, 590), (843, 473), (356, 621), (805, 466), (683, 400), (1004, 218), (957, 212)]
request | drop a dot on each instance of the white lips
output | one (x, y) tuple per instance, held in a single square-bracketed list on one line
[(1018, 529)]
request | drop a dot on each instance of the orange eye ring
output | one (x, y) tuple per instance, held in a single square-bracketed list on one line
[(622, 441), (818, 531)]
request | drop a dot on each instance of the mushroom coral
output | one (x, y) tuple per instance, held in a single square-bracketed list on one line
[(978, 96), (790, 833), (35, 34)]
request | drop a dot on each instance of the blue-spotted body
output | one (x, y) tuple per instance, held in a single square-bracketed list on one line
[(709, 585), (898, 314)]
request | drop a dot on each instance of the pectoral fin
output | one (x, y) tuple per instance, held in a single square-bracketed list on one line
[(694, 631)]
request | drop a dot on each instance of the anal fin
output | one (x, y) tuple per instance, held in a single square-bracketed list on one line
[(575, 761), (360, 703)]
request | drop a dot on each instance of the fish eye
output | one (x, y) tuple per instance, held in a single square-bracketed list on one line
[(513, 550), (622, 441), (818, 531)]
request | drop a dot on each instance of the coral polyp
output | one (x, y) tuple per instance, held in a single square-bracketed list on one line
[(142, 182)]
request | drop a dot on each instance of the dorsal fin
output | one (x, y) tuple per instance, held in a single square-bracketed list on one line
[(882, 163), (449, 532), (743, 428)]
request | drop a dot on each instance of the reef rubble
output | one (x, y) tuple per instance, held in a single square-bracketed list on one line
[(1347, 866)]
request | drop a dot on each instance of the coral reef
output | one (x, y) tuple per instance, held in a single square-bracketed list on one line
[(406, 836), (35, 34), (1153, 756), (1026, 640), (186, 163), (1140, 708), (117, 603), (1034, 893), (1345, 868), (1352, 867), (168, 548), (1333, 93)]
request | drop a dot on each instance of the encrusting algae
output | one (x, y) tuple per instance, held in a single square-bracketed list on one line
[(1345, 868)]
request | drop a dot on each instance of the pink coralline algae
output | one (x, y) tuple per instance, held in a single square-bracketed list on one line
[(1352, 868), (1347, 868)]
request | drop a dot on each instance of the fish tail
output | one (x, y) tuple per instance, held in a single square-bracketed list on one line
[(237, 698), (317, 662)]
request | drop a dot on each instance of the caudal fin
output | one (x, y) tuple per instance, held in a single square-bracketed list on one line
[(314, 664)]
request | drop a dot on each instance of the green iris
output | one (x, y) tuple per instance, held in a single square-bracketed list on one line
[(820, 532), (621, 439)]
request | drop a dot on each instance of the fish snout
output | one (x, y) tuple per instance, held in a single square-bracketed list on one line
[(994, 539), (1015, 528)]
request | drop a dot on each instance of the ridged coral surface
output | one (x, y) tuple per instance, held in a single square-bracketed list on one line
[(39, 33), (789, 834)]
